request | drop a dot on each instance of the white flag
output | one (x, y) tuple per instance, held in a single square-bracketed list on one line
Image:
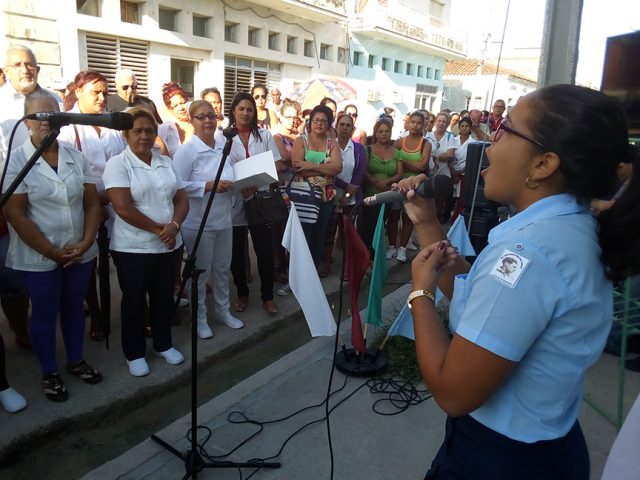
[(304, 281)]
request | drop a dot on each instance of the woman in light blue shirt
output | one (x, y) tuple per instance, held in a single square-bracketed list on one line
[(533, 312)]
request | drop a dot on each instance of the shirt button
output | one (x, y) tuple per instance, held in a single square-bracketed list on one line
[(519, 246)]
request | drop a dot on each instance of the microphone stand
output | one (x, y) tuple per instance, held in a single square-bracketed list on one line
[(193, 461), (46, 143)]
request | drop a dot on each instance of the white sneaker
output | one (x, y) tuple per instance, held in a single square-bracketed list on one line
[(284, 290), (230, 321), (12, 401), (138, 367), (411, 246), (203, 330), (391, 252), (172, 356), (402, 254)]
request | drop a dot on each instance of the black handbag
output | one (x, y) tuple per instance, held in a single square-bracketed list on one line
[(266, 207)]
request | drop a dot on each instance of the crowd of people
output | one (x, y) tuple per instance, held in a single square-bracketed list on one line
[(145, 190)]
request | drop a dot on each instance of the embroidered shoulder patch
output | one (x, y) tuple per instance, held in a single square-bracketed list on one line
[(509, 268)]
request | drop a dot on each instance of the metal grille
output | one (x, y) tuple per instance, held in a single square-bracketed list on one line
[(107, 54), (240, 74)]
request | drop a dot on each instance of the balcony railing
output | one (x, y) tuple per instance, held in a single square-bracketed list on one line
[(410, 22)]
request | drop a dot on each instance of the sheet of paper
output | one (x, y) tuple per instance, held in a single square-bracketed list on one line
[(256, 171)]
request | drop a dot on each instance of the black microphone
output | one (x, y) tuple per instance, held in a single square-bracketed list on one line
[(114, 120), (230, 132), (438, 186)]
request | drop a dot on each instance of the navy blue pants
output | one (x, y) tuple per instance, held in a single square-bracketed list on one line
[(472, 451), (61, 290)]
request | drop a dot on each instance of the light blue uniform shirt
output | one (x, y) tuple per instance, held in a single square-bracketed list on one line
[(537, 295)]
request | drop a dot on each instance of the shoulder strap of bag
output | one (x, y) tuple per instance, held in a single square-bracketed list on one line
[(78, 146)]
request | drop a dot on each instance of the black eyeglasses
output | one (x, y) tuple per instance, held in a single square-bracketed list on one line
[(504, 127), (202, 117), (353, 115), (127, 87), (256, 97)]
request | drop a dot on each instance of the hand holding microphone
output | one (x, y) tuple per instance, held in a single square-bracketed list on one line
[(438, 186)]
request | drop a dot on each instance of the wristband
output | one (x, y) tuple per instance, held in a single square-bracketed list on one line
[(420, 293), (176, 224)]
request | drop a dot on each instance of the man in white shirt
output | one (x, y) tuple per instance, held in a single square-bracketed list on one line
[(21, 70), (479, 131)]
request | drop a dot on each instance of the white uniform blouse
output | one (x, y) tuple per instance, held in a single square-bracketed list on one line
[(152, 190), (447, 142), (168, 132), (197, 163), (97, 149), (55, 205), (238, 216)]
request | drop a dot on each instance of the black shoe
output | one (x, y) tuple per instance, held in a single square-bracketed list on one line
[(633, 364), (53, 388), (82, 370)]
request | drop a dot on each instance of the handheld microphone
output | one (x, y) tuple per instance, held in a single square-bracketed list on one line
[(438, 186), (113, 120), (230, 132)]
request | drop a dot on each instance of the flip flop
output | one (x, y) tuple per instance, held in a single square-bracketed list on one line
[(240, 304)]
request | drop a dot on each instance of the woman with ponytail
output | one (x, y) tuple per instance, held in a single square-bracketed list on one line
[(533, 312)]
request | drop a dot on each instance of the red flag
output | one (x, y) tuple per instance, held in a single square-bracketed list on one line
[(357, 262)]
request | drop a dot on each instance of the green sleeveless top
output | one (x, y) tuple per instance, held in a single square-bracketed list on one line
[(380, 170), (410, 156)]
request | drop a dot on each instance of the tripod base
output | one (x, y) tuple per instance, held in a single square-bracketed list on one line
[(194, 463), (352, 363)]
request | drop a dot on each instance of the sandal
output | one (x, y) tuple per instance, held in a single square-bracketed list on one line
[(241, 303), (270, 307)]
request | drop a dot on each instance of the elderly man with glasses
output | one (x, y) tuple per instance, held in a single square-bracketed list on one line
[(127, 91)]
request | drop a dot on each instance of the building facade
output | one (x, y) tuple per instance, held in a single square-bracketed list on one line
[(392, 52), (472, 83)]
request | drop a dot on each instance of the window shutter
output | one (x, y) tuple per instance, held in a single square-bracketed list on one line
[(240, 74), (107, 54)]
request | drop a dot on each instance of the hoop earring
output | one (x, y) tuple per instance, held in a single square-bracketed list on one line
[(535, 187)]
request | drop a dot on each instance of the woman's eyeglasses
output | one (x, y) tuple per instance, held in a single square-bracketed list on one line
[(320, 121), (257, 97), (504, 127), (202, 117)]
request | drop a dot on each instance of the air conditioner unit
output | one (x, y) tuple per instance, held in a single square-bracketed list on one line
[(373, 96)]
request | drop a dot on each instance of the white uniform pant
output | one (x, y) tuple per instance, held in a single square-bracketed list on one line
[(213, 256)]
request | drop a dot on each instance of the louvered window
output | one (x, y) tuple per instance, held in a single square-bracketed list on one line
[(107, 54), (240, 74)]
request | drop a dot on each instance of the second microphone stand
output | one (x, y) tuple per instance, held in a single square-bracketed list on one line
[(193, 461)]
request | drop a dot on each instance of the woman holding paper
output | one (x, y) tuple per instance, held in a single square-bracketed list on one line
[(250, 140), (197, 162)]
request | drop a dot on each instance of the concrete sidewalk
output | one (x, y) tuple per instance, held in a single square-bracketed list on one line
[(366, 445), (44, 423)]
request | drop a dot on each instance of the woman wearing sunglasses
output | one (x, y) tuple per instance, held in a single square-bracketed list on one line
[(178, 130), (266, 118), (510, 378)]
